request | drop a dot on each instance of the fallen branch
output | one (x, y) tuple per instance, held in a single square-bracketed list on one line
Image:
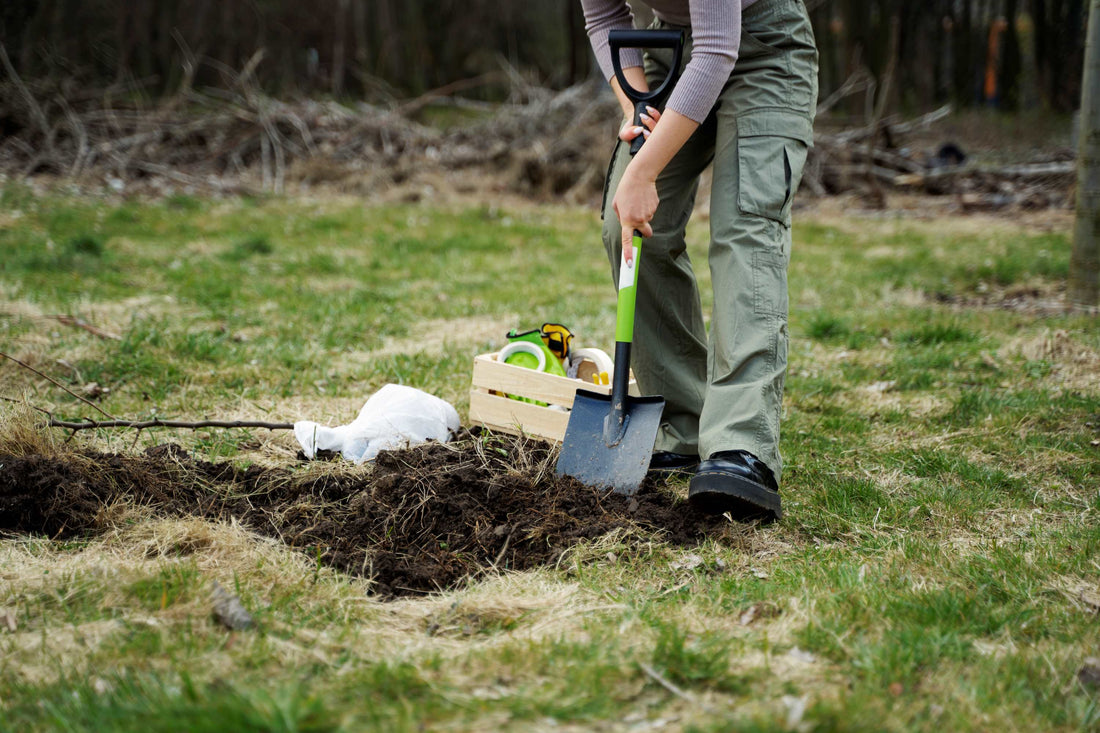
[(415, 105), (158, 423), (859, 81), (922, 122), (896, 128), (1037, 170), (88, 424)]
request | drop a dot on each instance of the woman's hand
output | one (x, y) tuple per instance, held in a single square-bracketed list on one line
[(649, 121), (636, 198), (635, 204)]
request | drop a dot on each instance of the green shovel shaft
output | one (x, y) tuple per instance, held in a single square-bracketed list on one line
[(615, 424), (628, 293)]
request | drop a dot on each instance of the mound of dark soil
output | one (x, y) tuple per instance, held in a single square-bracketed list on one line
[(417, 521)]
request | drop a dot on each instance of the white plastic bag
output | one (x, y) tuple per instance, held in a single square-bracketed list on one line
[(394, 417)]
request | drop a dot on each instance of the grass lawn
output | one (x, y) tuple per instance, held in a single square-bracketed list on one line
[(938, 567)]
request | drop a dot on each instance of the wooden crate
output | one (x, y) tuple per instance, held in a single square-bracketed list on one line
[(489, 407)]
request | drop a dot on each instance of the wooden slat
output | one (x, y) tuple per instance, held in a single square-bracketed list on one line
[(500, 377), (501, 413), (515, 417), (490, 374)]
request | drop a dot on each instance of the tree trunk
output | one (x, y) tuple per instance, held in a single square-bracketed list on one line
[(1084, 274), (1010, 60), (338, 47), (573, 43), (359, 26)]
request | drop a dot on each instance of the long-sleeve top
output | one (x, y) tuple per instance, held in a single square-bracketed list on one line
[(716, 38)]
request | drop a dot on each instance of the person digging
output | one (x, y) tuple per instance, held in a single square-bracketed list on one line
[(745, 104)]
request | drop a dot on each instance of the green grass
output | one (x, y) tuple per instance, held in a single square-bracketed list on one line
[(149, 703), (936, 570), (171, 585)]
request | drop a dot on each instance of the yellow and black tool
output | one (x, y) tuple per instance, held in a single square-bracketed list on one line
[(558, 339)]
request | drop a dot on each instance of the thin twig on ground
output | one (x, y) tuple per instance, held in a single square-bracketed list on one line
[(675, 690), (78, 322), (665, 683), (56, 383)]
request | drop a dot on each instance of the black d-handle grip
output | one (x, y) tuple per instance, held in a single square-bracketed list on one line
[(620, 39)]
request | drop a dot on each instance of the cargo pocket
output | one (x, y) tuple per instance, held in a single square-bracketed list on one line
[(769, 283), (771, 153)]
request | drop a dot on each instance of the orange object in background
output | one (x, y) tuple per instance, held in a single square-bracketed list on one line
[(989, 91)]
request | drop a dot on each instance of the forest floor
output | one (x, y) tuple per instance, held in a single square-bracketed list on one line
[(548, 146)]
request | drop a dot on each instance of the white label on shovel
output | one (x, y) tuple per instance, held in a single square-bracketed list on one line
[(626, 270)]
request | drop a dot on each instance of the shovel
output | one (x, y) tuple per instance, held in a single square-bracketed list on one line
[(609, 438)]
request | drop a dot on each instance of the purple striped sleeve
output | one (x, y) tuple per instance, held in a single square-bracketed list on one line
[(600, 18), (716, 37)]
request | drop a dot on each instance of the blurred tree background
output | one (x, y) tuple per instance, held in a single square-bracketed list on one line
[(1003, 53)]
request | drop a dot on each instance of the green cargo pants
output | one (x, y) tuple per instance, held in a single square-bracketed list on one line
[(726, 394)]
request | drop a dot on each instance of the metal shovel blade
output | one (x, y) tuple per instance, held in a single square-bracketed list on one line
[(614, 457)]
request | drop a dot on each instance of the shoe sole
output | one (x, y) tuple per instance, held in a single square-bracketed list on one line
[(715, 492), (674, 471)]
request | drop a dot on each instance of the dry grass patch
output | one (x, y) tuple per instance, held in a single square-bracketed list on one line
[(1073, 364), (307, 613), (435, 337), (877, 397), (22, 433)]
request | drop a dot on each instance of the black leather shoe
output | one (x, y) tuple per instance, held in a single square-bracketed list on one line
[(737, 482), (667, 463)]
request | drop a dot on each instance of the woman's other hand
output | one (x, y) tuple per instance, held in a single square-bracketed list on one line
[(649, 121)]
